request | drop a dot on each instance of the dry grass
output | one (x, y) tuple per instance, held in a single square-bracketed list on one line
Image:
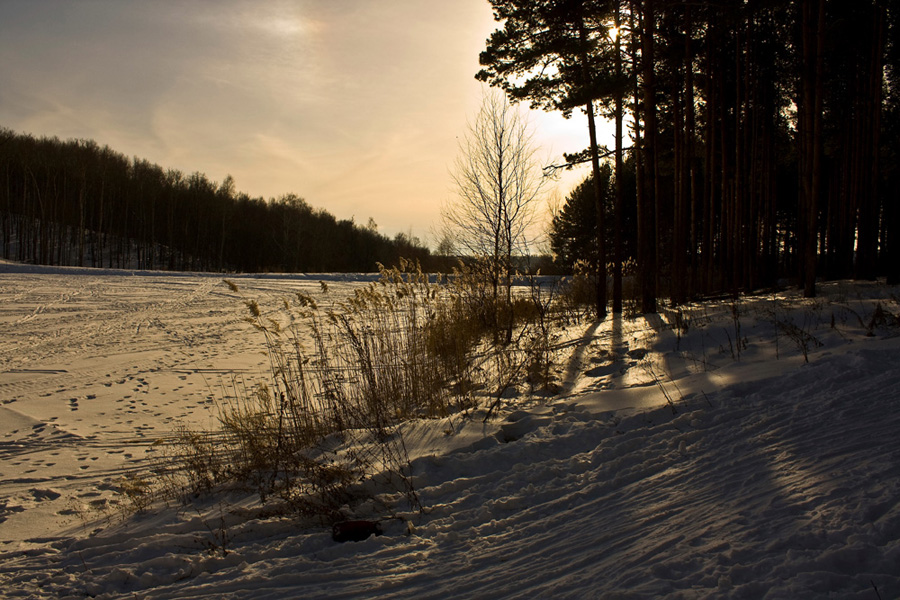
[(342, 379)]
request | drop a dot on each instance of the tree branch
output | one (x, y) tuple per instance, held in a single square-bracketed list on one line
[(578, 159)]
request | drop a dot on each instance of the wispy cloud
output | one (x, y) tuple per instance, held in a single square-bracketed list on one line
[(354, 105)]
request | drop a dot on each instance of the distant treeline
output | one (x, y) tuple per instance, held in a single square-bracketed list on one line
[(76, 203)]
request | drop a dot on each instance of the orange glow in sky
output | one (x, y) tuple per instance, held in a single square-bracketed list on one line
[(354, 105)]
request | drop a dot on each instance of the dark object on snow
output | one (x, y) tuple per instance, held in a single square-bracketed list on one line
[(354, 531)]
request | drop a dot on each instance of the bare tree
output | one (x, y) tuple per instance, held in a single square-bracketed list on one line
[(498, 181)]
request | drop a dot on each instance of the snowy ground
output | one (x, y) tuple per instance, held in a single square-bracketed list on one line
[(772, 477)]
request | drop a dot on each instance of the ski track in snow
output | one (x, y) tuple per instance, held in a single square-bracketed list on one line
[(772, 478), (95, 367)]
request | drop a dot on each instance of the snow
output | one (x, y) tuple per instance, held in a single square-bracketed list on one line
[(773, 477)]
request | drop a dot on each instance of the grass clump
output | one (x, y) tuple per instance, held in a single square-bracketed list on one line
[(326, 421)]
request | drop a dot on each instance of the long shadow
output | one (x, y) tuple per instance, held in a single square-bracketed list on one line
[(575, 362), (617, 347), (618, 339)]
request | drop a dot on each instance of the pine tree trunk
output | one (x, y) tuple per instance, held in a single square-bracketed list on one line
[(810, 135), (598, 192), (638, 145), (870, 124), (619, 192), (711, 133), (678, 229), (647, 216), (691, 166)]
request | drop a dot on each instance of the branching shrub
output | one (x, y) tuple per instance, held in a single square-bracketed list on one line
[(579, 293), (542, 338), (881, 319), (801, 334)]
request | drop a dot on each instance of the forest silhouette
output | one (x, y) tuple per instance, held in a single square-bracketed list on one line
[(75, 203), (762, 137)]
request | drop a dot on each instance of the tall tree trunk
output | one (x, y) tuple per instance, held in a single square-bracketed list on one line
[(810, 134), (711, 134), (690, 134), (738, 244), (595, 166), (638, 145), (647, 217), (619, 191), (870, 122), (679, 231)]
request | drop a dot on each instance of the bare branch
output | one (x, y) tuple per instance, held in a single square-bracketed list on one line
[(496, 180), (578, 159)]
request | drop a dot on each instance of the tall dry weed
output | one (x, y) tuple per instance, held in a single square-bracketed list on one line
[(342, 379)]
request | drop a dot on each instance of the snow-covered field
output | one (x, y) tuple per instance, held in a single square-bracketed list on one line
[(771, 478)]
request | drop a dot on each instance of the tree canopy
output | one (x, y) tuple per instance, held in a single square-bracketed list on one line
[(764, 135)]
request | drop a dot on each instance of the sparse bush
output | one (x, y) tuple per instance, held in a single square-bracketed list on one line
[(137, 492), (881, 319), (801, 334), (579, 294), (498, 340), (541, 339), (477, 298), (740, 342), (451, 336)]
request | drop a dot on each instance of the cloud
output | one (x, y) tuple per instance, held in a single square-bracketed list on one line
[(353, 105)]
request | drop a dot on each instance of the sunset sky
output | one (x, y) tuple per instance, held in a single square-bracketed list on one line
[(354, 105)]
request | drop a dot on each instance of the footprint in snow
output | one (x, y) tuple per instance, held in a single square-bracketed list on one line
[(6, 509), (45, 494)]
